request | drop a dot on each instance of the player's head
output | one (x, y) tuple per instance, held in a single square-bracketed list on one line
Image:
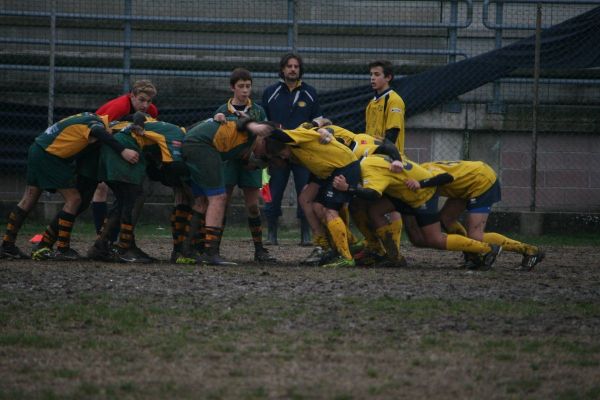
[(291, 67), (277, 152), (382, 73), (142, 93), (240, 82)]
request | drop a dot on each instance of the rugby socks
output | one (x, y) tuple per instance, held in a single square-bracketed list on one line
[(50, 234), (361, 219), (180, 224), (345, 216), (509, 244), (99, 212), (461, 243), (198, 232), (65, 226), (255, 226), (390, 237), (337, 230), (212, 240), (125, 236), (321, 241), (456, 228), (15, 221)]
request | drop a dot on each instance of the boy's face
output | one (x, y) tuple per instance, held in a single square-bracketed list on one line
[(140, 101), (379, 82), (242, 90)]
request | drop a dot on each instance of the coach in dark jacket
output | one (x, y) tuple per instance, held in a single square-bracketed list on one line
[(289, 102)]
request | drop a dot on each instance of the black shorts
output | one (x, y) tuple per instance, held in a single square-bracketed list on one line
[(426, 214), (332, 198)]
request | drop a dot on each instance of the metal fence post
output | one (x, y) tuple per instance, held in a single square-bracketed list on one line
[(497, 106), (536, 102), (293, 25), (127, 46), (453, 105), (52, 66)]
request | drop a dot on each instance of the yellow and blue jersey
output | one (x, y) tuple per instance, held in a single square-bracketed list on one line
[(471, 178), (376, 175), (320, 159)]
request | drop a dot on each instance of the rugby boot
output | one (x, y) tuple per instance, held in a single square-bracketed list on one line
[(530, 261), (12, 252), (261, 255), (314, 257), (100, 251), (66, 254), (340, 262), (41, 252), (489, 258)]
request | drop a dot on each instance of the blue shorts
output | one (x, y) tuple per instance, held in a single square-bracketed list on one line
[(483, 203), (332, 198), (198, 191), (426, 214)]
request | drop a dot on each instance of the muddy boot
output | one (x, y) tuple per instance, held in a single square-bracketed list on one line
[(305, 237), (272, 234)]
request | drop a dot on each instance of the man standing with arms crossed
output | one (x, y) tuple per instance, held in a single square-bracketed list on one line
[(289, 102)]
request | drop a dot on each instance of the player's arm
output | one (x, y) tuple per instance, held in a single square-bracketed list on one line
[(392, 134), (389, 149), (438, 180), (339, 183), (106, 138)]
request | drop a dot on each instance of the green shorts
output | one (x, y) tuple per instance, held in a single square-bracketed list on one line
[(205, 165), (237, 174), (87, 162), (49, 172), (113, 168)]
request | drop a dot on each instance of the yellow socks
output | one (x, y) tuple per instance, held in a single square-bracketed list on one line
[(337, 230), (509, 244), (390, 237), (461, 243)]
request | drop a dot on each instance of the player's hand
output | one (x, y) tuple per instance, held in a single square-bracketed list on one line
[(325, 136), (258, 129), (412, 184), (339, 183), (241, 114), (220, 117), (321, 122), (396, 166), (131, 156)]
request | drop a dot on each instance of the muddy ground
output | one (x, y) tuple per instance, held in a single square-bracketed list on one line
[(97, 330)]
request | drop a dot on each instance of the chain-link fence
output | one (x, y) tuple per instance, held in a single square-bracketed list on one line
[(464, 68)]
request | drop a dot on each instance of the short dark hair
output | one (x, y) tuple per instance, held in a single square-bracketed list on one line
[(388, 68), (273, 147), (239, 74), (284, 60)]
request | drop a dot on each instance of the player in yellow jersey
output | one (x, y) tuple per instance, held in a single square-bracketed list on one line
[(324, 161), (472, 186), (389, 192), (384, 116)]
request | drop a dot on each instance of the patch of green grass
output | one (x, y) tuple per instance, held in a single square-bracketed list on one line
[(65, 373), (29, 340), (580, 394), (522, 386)]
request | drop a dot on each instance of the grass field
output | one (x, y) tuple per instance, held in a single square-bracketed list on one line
[(95, 330)]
